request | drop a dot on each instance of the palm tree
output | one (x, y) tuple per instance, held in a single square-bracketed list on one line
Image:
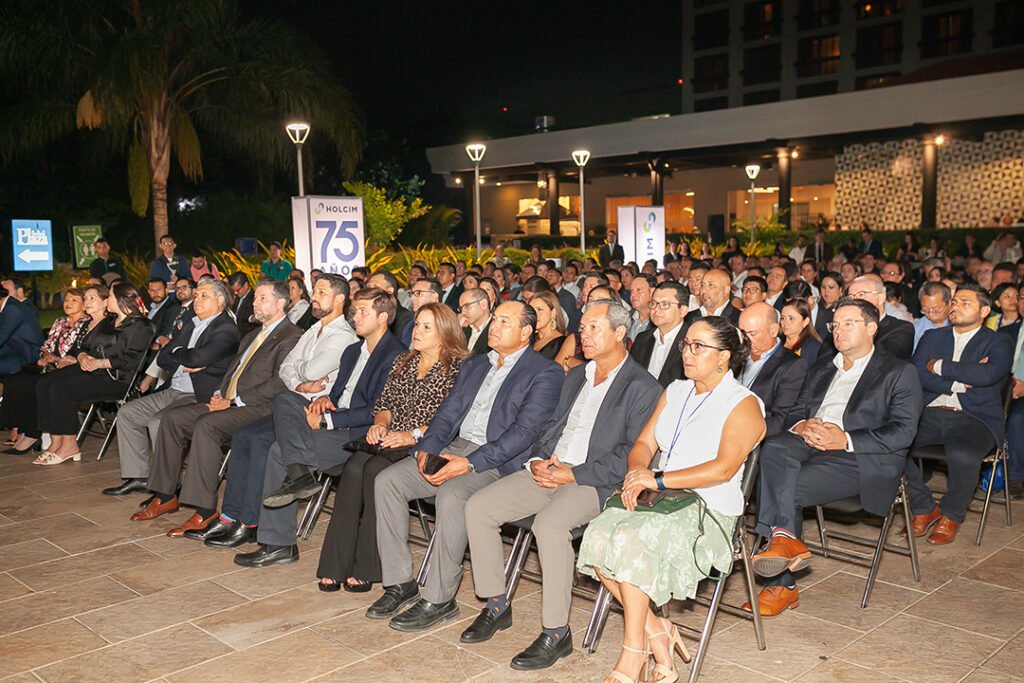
[(150, 75)]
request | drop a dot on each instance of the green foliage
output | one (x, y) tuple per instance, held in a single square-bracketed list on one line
[(434, 227), (384, 217)]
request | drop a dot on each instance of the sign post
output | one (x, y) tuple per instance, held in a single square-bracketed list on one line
[(329, 234), (642, 233), (83, 242), (33, 245)]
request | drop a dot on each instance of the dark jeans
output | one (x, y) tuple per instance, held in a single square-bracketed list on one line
[(20, 405), (243, 495), (59, 393), (1015, 440)]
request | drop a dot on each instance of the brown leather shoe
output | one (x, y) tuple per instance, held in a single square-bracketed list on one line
[(922, 524), (774, 600), (783, 553), (195, 522), (944, 532), (155, 509)]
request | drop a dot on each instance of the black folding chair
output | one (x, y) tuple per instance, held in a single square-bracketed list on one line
[(515, 566), (95, 410)]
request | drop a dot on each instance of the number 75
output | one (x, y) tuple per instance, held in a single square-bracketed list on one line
[(338, 231)]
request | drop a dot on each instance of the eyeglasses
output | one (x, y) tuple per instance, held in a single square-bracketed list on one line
[(662, 305), (846, 325), (864, 293), (697, 347), (420, 292), (463, 307)]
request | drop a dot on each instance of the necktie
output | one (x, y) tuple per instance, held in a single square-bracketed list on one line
[(233, 384)]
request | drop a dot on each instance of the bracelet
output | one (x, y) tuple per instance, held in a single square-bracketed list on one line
[(659, 479)]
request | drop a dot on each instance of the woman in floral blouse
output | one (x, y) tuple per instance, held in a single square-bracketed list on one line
[(419, 381), (18, 410)]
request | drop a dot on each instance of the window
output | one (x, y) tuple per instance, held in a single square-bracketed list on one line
[(943, 35), (762, 19), (817, 89), (760, 97), (876, 81), (817, 13), (710, 73), (762, 64), (711, 29), (711, 103), (818, 56), (1009, 24), (872, 9), (879, 45)]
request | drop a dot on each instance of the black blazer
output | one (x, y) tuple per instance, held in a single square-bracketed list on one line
[(573, 315), (643, 347), (778, 384), (213, 352), (522, 406), (881, 419), (481, 345), (823, 318), (984, 399), (243, 313), (895, 337), (452, 300), (827, 252), (165, 317), (403, 316), (358, 417), (625, 410), (606, 255), (259, 381), (123, 346)]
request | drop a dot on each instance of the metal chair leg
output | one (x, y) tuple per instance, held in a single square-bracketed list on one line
[(421, 577), (520, 562), (512, 552), (315, 507), (1006, 486), (748, 577), (224, 466), (988, 500), (822, 533), (422, 516), (597, 619), (915, 563), (86, 421), (877, 557), (709, 624)]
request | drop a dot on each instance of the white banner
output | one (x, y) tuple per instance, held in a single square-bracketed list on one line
[(329, 234), (642, 233)]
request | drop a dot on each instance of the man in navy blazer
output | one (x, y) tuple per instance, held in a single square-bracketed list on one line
[(311, 436), (20, 336), (963, 369), (485, 429)]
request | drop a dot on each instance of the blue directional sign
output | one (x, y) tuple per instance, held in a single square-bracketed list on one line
[(33, 245)]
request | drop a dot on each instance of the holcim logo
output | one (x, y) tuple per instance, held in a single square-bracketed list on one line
[(649, 223), (319, 208)]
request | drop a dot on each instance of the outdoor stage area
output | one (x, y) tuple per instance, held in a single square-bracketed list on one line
[(87, 595)]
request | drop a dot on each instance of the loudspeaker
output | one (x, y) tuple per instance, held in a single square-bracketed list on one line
[(716, 226)]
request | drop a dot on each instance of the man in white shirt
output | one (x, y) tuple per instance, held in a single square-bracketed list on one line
[(657, 347), (694, 278), (579, 458), (935, 297), (715, 298), (777, 279), (798, 252), (640, 291)]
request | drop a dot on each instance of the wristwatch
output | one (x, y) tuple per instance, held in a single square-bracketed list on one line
[(417, 433), (659, 479), (323, 421), (469, 463)]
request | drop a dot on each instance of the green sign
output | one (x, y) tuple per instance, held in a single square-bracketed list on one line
[(83, 240)]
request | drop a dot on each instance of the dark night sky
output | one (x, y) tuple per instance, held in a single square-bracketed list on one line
[(440, 72)]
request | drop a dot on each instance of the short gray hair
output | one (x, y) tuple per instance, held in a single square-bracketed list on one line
[(280, 289), (220, 290), (617, 313)]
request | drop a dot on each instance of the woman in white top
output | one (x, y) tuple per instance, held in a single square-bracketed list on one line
[(299, 299), (644, 556)]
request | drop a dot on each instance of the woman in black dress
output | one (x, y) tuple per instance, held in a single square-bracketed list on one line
[(550, 324)]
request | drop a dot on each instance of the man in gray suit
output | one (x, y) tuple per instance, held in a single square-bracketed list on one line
[(579, 458), (245, 395)]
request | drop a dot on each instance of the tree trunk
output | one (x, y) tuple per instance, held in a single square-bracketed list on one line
[(159, 140)]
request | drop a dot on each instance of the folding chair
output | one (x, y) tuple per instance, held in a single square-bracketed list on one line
[(851, 506), (515, 566), (741, 554), (96, 410)]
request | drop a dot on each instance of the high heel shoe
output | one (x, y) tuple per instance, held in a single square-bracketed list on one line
[(675, 644), (622, 678)]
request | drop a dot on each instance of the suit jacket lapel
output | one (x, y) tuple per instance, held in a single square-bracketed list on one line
[(821, 388), (609, 406), (868, 382)]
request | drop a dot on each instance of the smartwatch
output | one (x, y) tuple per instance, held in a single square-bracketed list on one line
[(659, 479)]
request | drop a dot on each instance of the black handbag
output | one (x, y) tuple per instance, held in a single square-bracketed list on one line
[(392, 454)]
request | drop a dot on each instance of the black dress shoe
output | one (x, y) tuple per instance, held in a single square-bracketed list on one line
[(543, 652), (424, 614), (34, 448), (238, 534), (218, 527), (126, 487), (395, 598), (268, 555), (291, 490), (487, 623)]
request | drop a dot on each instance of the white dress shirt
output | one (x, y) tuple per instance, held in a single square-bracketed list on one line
[(952, 400), (772, 298), (350, 387), (181, 380), (574, 444), (317, 355), (753, 367), (718, 311), (833, 406), (798, 253), (659, 354), (474, 427), (474, 335)]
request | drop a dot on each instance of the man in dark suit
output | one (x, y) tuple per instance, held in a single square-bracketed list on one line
[(657, 347), (485, 429), (773, 372), (20, 335), (610, 251), (847, 435), (895, 337), (450, 290), (311, 436), (242, 307), (579, 458), (196, 358), (869, 245), (383, 279), (163, 309), (821, 251), (475, 311), (777, 278), (896, 272), (249, 385), (963, 369), (715, 299), (566, 298)]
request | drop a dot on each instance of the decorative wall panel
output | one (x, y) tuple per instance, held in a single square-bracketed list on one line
[(879, 184), (979, 181)]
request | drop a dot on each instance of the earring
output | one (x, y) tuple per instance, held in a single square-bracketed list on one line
[(719, 371), (553, 325)]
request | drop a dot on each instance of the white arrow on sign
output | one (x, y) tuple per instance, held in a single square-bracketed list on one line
[(28, 256)]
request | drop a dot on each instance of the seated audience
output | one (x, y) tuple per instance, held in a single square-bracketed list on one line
[(773, 372), (893, 336), (935, 298), (551, 330), (571, 353), (579, 458), (298, 301), (475, 317), (847, 435), (163, 309), (657, 348), (425, 291), (640, 291), (20, 335), (484, 429), (963, 369), (1004, 307), (383, 279), (754, 290), (242, 307), (671, 553), (798, 333), (715, 295)]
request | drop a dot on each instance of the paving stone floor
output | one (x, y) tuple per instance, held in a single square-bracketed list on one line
[(87, 595)]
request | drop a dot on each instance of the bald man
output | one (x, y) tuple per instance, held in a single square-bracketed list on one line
[(773, 372), (894, 337), (715, 294)]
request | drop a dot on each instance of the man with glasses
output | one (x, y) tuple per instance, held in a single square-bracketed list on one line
[(894, 336), (934, 298), (773, 372), (754, 291), (896, 272), (242, 306), (847, 435), (425, 291), (475, 311), (962, 369), (983, 275), (169, 266), (657, 347)]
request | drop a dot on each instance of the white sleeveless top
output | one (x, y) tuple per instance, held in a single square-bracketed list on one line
[(689, 431)]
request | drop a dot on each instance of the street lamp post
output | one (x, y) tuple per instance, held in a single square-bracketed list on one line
[(298, 131), (752, 171), (581, 157), (476, 153)]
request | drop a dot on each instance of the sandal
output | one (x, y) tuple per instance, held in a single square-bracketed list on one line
[(359, 587), (675, 643), (51, 458), (328, 585), (622, 678)]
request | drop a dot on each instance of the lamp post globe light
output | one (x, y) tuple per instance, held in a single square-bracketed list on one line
[(752, 171), (298, 131), (476, 153), (581, 157)]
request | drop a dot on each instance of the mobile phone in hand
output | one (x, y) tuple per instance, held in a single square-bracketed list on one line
[(433, 464)]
